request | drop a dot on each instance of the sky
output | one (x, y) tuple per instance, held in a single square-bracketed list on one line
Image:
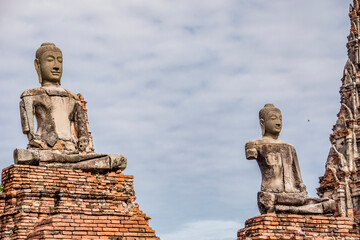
[(176, 86)]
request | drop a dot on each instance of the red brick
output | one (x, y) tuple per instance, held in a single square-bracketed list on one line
[(62, 204), (312, 226)]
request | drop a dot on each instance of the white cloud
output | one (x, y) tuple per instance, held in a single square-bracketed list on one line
[(206, 230), (177, 86)]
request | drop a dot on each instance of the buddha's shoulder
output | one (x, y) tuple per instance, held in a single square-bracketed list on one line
[(266, 141), (252, 143), (33, 92), (72, 94), (50, 92)]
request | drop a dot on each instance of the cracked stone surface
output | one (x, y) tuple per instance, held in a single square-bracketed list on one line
[(282, 188), (62, 138)]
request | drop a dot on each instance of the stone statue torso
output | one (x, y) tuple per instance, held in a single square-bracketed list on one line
[(60, 137), (278, 164), (58, 112)]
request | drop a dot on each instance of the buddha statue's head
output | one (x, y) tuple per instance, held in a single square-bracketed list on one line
[(48, 64), (270, 120)]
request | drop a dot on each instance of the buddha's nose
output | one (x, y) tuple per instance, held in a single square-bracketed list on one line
[(57, 64)]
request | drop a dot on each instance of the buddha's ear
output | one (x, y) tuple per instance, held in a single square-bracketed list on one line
[(37, 67), (262, 124)]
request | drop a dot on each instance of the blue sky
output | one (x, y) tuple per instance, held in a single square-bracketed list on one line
[(176, 86)]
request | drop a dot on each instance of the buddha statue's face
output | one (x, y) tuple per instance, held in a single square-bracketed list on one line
[(50, 67), (272, 123)]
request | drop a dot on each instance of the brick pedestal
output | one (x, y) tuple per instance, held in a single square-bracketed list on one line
[(53, 203), (284, 226)]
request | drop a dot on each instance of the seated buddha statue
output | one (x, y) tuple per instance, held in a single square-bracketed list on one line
[(282, 188), (62, 137)]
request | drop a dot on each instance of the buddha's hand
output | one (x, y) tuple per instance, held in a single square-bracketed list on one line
[(31, 135), (82, 144), (302, 187), (36, 142)]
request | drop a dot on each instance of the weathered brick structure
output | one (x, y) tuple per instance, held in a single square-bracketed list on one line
[(341, 181), (287, 226), (342, 176), (54, 203)]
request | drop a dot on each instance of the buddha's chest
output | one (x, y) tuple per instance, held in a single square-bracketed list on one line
[(59, 108), (274, 154), (56, 111)]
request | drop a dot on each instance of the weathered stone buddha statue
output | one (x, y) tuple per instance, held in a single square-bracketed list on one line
[(62, 138), (282, 188)]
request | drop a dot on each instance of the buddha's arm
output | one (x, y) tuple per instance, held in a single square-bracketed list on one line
[(81, 126), (27, 116), (297, 172), (250, 151)]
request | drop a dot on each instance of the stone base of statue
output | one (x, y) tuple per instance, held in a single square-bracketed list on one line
[(93, 162), (291, 226), (55, 203)]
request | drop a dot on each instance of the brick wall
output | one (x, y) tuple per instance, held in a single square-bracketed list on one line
[(50, 203), (286, 226), (2, 202)]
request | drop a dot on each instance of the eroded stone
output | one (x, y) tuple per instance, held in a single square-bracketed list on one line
[(62, 138), (282, 188), (342, 174)]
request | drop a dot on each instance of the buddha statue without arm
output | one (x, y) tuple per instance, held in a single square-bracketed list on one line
[(62, 138), (282, 188)]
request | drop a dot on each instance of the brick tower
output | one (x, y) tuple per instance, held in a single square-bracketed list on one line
[(341, 179), (55, 203)]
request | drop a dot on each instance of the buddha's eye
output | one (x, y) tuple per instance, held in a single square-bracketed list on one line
[(49, 59), (60, 59)]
